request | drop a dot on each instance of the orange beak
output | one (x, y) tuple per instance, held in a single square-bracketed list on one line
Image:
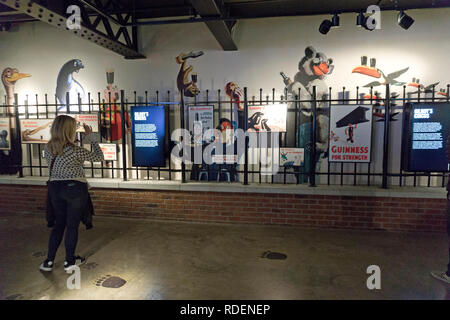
[(413, 84), (321, 69), (17, 76), (442, 93), (368, 71), (368, 96)]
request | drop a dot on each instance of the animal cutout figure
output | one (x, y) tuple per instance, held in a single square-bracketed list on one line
[(190, 87), (374, 72), (111, 112), (10, 160), (66, 83), (421, 88), (313, 69), (236, 95)]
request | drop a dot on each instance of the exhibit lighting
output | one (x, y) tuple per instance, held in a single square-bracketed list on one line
[(404, 20), (326, 24), (335, 21)]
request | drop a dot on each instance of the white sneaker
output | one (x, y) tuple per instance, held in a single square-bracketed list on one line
[(78, 262), (439, 275)]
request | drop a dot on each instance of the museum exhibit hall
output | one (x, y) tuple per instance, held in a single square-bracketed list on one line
[(227, 157)]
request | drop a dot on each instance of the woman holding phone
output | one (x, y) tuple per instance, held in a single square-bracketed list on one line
[(67, 188)]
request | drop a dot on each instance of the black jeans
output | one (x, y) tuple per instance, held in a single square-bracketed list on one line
[(69, 199)]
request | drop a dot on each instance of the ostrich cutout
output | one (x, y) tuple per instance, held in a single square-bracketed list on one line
[(66, 83), (313, 69), (9, 162)]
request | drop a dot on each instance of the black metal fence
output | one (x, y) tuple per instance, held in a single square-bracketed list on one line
[(381, 172)]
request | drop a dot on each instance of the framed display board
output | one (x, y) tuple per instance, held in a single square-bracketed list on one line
[(426, 128), (201, 118), (147, 136), (35, 130), (109, 151), (350, 133), (292, 157), (89, 119), (267, 118), (5, 134)]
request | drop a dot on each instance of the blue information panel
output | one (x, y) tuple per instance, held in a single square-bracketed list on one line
[(426, 129), (147, 136)]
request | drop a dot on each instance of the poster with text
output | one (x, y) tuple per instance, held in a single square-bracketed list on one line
[(5, 134), (201, 118), (109, 151), (147, 136), (292, 157), (88, 119), (35, 130), (350, 133), (267, 118)]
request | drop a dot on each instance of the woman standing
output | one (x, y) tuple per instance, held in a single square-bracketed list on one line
[(67, 188)]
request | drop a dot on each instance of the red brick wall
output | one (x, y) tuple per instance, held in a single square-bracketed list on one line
[(392, 214)]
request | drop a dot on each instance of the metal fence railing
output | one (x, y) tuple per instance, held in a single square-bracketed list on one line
[(384, 170)]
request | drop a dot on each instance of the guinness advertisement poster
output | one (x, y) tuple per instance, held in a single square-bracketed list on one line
[(350, 133), (267, 118)]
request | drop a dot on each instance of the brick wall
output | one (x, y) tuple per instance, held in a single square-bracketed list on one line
[(382, 213)]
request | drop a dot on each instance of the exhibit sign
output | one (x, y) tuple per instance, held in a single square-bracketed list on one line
[(224, 158), (201, 118), (35, 130), (350, 133), (292, 157), (426, 128), (148, 136), (267, 118), (109, 151), (5, 134), (88, 119)]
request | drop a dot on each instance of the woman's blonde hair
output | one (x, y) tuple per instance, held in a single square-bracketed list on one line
[(63, 133)]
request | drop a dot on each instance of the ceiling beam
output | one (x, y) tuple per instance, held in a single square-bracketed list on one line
[(219, 29), (56, 17)]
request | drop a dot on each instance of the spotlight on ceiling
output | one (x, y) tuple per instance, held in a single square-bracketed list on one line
[(335, 21), (326, 24), (361, 21), (404, 20)]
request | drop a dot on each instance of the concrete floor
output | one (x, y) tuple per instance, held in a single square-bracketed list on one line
[(171, 260)]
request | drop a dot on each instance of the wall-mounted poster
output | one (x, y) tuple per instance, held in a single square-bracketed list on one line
[(292, 157), (147, 136), (5, 134), (266, 118), (109, 151), (426, 129), (35, 130), (224, 158), (201, 118), (350, 133), (89, 119)]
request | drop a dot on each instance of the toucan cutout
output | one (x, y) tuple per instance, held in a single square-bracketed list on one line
[(374, 72)]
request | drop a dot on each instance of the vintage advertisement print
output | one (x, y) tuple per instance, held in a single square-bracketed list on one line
[(35, 130), (266, 118), (292, 157), (350, 133), (5, 134)]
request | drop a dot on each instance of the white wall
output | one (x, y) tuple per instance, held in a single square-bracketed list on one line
[(266, 47)]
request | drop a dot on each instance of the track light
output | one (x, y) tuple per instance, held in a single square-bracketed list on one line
[(335, 21), (326, 24), (404, 20)]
